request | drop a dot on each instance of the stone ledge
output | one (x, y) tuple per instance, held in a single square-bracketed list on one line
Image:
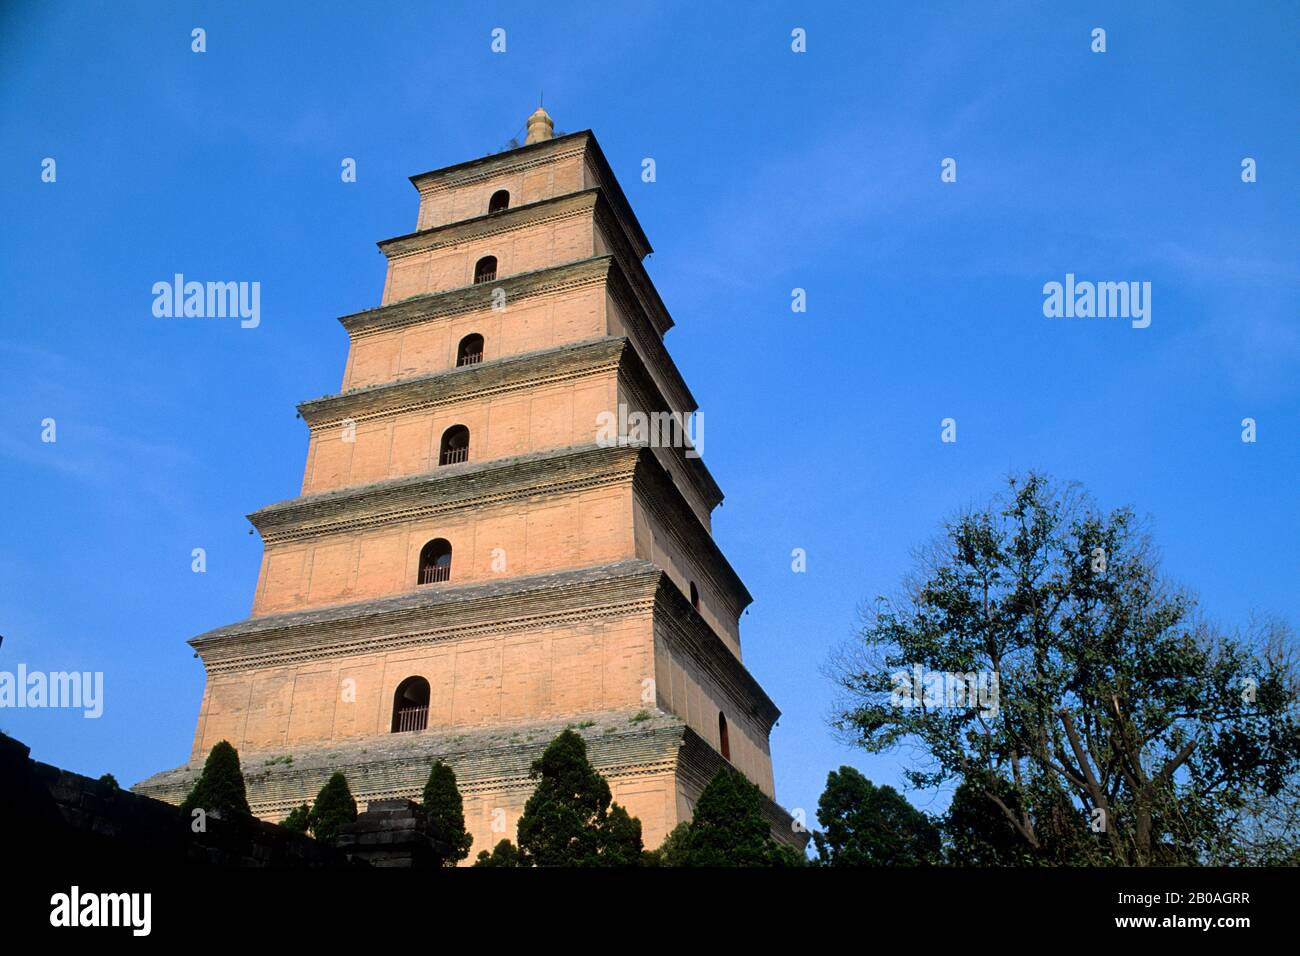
[(476, 298), (490, 224), (427, 614), (471, 381), (396, 766), (395, 499)]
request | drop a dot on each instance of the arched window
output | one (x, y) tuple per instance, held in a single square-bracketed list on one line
[(724, 741), (411, 705), (435, 561), (499, 202), (470, 350), (455, 446), (485, 270), (695, 596)]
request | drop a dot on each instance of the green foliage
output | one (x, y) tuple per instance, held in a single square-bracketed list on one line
[(298, 820), (1113, 695), (220, 787), (333, 808), (504, 853), (728, 829), (672, 852), (568, 821), (977, 831), (111, 780), (444, 815), (866, 825), (622, 839)]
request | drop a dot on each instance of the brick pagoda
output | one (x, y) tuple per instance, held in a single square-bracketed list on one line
[(469, 569)]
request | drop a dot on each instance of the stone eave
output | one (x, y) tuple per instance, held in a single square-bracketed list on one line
[(494, 164), (638, 278), (534, 154), (476, 298), (618, 199), (648, 332), (485, 378), (641, 382), (425, 614), (450, 487), (489, 224), (693, 630), (666, 500)]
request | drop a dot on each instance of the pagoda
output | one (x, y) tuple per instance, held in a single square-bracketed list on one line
[(472, 565)]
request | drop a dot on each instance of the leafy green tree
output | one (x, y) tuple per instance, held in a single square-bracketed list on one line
[(111, 780), (444, 815), (1114, 703), (220, 788), (568, 821), (298, 820), (866, 825), (504, 853), (333, 808), (976, 830), (728, 828)]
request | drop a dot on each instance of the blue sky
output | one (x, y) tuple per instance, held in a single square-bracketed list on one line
[(775, 170)]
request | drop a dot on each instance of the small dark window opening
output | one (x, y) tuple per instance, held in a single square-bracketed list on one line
[(724, 741), (485, 270), (435, 561), (695, 596), (455, 446), (470, 350), (499, 202), (411, 705)]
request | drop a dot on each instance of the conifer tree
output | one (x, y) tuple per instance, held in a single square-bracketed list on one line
[(298, 820), (334, 807), (220, 787), (728, 828), (444, 816), (568, 821), (504, 853), (866, 825)]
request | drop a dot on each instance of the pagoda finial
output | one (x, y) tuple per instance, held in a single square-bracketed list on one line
[(540, 127)]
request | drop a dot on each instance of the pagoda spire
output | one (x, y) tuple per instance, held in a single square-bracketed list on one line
[(540, 127)]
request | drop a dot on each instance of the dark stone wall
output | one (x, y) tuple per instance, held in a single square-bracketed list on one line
[(55, 812)]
